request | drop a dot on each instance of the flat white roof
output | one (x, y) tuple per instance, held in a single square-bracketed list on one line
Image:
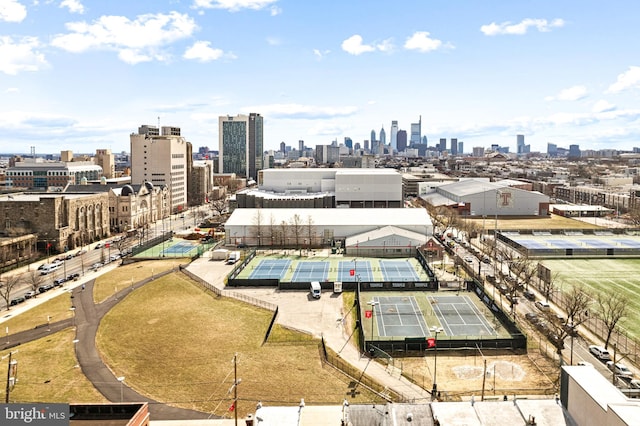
[(337, 216), (596, 385)]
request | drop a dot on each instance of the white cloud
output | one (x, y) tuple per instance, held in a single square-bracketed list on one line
[(74, 6), (303, 111), (629, 79), (236, 5), (12, 90), (354, 46), (603, 106), (20, 55), (12, 11), (421, 41), (135, 40), (275, 10), (520, 28), (385, 45), (573, 93), (320, 54), (203, 52), (274, 41)]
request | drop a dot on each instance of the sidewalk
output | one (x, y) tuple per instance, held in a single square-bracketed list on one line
[(321, 318)]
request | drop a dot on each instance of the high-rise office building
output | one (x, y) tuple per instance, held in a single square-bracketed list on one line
[(300, 145), (348, 142), (373, 137), (574, 151), (552, 150), (478, 151), (460, 147), (394, 134), (162, 159), (402, 140), (454, 146), (241, 144), (442, 146), (521, 148), (283, 146), (416, 131), (383, 137)]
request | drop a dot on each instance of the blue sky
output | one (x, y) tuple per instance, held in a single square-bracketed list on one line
[(81, 75)]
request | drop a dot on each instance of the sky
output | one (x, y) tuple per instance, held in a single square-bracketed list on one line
[(82, 75)]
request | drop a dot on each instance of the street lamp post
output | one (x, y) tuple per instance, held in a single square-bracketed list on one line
[(373, 305), (121, 380), (75, 349), (435, 330)]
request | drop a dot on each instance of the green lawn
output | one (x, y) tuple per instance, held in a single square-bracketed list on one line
[(58, 308), (603, 276), (175, 343), (47, 372)]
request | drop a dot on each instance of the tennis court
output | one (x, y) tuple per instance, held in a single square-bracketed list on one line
[(459, 316), (361, 270), (398, 316), (398, 270), (182, 248), (311, 271), (269, 269)]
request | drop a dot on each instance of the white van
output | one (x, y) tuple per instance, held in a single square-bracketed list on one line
[(46, 269), (315, 289)]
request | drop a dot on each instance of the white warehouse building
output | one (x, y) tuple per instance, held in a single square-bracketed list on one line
[(357, 188), (481, 198), (318, 227)]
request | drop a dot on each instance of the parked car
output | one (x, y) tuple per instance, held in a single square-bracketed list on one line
[(73, 276), (600, 352), (585, 363), (17, 300), (620, 370), (486, 259), (29, 294), (99, 245), (542, 305), (80, 252), (69, 256), (97, 265), (529, 295), (634, 384), (45, 287), (532, 317), (468, 259), (59, 282)]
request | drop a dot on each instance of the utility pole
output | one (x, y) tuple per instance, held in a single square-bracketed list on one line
[(10, 372)]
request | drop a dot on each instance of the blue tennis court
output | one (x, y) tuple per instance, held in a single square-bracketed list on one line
[(565, 244), (397, 316), (531, 244), (598, 243), (361, 269), (627, 242), (311, 271), (398, 270), (182, 248), (270, 269), (459, 316)]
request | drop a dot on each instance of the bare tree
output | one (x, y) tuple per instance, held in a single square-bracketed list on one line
[(548, 286), (219, 205), (575, 304), (310, 231), (273, 230), (612, 307), (283, 233), (258, 226), (7, 286), (34, 279), (296, 228)]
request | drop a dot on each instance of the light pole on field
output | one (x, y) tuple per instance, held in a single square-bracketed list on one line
[(373, 305), (121, 380), (435, 330)]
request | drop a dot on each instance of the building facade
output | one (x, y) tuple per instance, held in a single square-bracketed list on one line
[(50, 175), (162, 160), (240, 141)]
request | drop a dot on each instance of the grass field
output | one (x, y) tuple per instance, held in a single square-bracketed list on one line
[(540, 223), (182, 345), (47, 372), (57, 308), (602, 276), (124, 276)]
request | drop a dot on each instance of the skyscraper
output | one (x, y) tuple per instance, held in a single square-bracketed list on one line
[(416, 131), (383, 136), (300, 145), (521, 148), (373, 137), (402, 140), (348, 142), (442, 146), (394, 134), (454, 146), (241, 144)]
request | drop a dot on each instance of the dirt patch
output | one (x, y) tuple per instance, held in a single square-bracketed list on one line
[(459, 375)]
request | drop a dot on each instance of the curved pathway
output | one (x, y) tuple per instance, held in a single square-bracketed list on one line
[(87, 319)]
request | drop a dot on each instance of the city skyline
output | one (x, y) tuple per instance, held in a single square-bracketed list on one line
[(83, 75)]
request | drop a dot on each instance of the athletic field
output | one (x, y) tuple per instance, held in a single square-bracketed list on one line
[(603, 276)]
